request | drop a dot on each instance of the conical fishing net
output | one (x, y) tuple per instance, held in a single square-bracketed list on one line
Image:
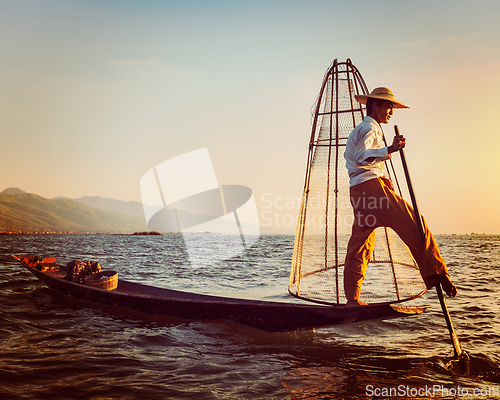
[(326, 215)]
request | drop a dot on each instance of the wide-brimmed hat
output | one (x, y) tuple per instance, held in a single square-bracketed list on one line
[(381, 93)]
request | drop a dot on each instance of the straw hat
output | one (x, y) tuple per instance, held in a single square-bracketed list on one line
[(381, 93)]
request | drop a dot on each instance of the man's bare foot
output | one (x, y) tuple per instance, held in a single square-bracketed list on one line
[(449, 288), (356, 303)]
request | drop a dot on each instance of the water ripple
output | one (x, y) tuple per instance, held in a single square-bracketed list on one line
[(57, 347)]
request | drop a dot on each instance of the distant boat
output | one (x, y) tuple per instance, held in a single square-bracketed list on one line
[(264, 315)]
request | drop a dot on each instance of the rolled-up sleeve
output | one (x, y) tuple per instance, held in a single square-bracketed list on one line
[(367, 139)]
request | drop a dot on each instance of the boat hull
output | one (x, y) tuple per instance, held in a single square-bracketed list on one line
[(264, 315)]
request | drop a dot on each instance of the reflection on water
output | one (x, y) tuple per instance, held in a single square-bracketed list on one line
[(56, 347)]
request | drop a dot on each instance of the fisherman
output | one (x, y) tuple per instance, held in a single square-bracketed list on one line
[(365, 155)]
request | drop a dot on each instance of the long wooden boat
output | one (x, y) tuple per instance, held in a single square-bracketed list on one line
[(265, 315)]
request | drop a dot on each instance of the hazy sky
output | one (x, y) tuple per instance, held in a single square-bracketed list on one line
[(93, 94)]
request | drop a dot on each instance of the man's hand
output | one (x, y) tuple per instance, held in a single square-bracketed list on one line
[(398, 142)]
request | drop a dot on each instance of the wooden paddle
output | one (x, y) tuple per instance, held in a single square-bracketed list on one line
[(460, 354)]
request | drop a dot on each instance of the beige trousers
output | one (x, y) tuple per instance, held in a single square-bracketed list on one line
[(393, 212)]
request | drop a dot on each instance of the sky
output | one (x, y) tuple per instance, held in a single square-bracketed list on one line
[(93, 94)]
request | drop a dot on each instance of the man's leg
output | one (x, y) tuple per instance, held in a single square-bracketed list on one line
[(401, 218), (361, 242), (359, 252)]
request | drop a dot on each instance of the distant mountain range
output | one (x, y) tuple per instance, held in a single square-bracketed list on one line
[(28, 212), (132, 208)]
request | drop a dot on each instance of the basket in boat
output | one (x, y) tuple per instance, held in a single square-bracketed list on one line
[(107, 280)]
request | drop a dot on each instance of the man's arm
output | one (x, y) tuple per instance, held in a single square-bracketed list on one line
[(398, 142)]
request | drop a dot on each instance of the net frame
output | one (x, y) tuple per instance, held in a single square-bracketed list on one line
[(321, 236)]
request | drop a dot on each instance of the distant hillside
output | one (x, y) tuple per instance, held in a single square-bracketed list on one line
[(12, 190), (133, 208), (29, 212)]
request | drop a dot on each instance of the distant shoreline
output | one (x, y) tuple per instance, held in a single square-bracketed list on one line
[(153, 233)]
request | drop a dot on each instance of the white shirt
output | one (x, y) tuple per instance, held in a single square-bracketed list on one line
[(365, 141)]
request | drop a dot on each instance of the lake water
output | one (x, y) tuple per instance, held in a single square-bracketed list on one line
[(55, 347)]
